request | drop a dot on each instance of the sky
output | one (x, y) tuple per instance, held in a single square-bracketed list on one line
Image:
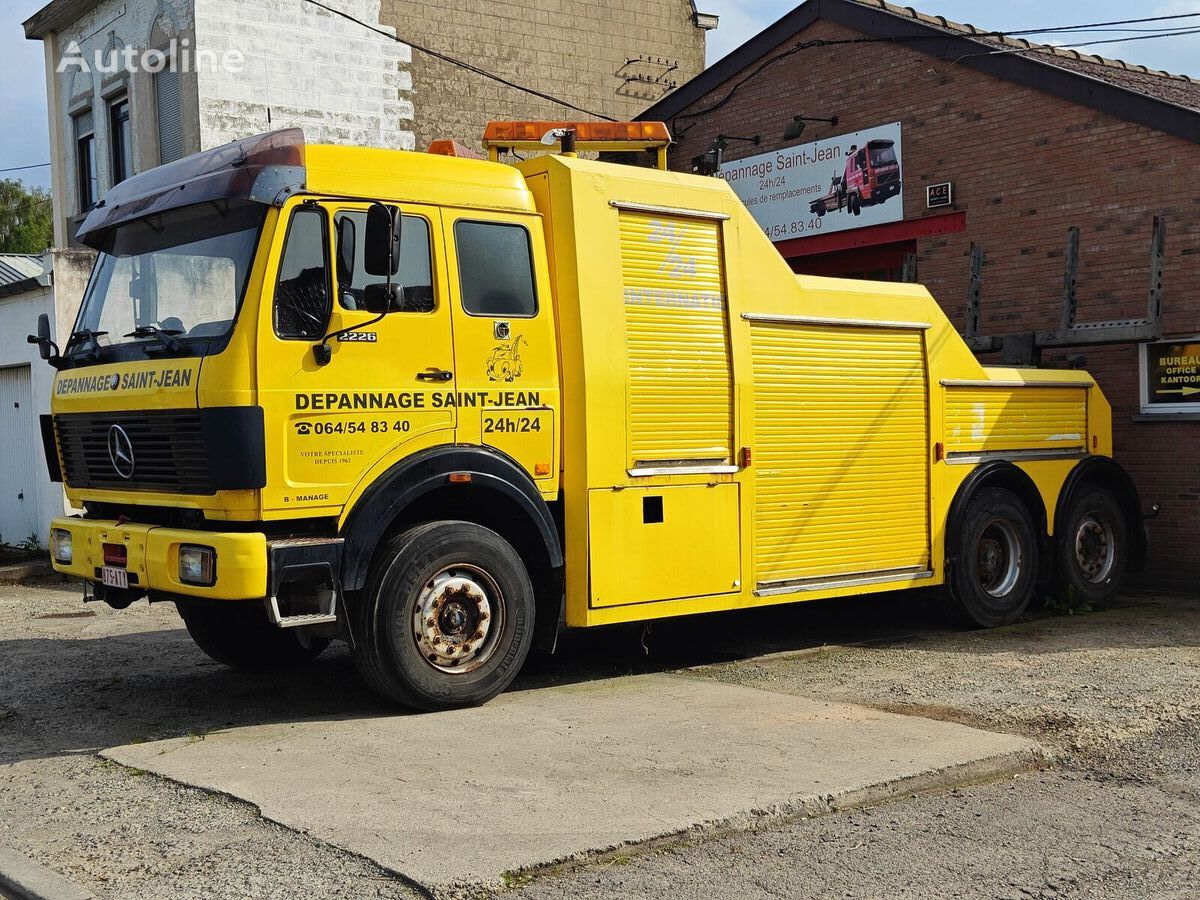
[(24, 133)]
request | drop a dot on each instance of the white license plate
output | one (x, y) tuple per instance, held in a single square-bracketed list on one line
[(114, 577)]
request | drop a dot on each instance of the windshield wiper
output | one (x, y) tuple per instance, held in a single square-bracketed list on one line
[(85, 334), (166, 336)]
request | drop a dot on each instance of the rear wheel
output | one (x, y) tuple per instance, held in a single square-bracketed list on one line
[(446, 619), (1093, 549), (995, 573), (239, 634)]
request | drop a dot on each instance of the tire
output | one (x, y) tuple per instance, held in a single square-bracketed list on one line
[(1093, 548), (239, 634), (996, 560), (446, 618), (855, 204)]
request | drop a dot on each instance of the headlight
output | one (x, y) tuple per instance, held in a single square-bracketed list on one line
[(60, 545), (197, 565)]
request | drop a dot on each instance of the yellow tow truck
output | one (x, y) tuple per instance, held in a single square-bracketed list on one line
[(442, 407)]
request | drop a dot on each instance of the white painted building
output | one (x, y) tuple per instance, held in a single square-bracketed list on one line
[(226, 69), (28, 499)]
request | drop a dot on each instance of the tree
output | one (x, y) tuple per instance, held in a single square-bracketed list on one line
[(26, 218)]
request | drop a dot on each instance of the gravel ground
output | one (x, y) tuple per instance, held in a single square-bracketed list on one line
[(1114, 693)]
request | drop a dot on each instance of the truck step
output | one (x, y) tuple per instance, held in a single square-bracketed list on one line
[(309, 560), (327, 613), (306, 619)]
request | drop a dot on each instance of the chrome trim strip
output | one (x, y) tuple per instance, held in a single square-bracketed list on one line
[(647, 471), (985, 383), (802, 585), (968, 457), (668, 210), (771, 319)]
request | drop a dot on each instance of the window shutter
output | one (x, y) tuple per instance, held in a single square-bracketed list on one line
[(170, 124), (83, 124)]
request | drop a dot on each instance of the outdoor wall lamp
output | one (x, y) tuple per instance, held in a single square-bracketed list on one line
[(709, 162), (797, 125)]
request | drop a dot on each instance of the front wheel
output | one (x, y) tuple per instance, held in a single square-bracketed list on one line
[(239, 634), (1093, 548), (996, 560), (446, 619)]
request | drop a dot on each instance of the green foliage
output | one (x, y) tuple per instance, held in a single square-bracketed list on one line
[(31, 544), (1068, 602), (26, 218)]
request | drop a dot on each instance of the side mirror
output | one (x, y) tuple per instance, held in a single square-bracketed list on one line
[(47, 349), (345, 251), (381, 247)]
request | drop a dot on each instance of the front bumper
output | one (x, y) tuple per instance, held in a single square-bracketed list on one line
[(153, 557)]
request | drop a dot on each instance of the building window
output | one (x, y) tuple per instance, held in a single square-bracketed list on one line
[(170, 120), (120, 139), (85, 160), (495, 269)]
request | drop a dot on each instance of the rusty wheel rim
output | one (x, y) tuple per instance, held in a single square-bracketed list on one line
[(458, 619), (998, 558), (1095, 548)]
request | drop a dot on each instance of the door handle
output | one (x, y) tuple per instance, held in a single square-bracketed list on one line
[(432, 374)]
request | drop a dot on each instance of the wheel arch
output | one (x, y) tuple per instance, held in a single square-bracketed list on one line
[(998, 474), (499, 495), (1104, 472)]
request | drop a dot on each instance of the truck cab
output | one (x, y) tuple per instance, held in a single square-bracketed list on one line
[(872, 174), (440, 407)]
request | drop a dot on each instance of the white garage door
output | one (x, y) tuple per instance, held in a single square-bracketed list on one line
[(20, 459)]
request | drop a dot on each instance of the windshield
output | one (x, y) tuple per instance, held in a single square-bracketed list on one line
[(883, 155), (181, 273)]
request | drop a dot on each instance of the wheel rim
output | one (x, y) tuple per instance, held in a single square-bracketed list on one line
[(1095, 548), (998, 558), (458, 619)]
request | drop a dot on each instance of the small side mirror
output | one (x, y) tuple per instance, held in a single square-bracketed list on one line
[(381, 247), (380, 297), (47, 349), (43, 335), (345, 252)]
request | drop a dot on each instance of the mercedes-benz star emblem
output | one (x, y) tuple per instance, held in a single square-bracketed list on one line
[(120, 451)]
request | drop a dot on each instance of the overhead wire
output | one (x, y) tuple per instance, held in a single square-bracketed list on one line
[(1042, 47), (444, 57)]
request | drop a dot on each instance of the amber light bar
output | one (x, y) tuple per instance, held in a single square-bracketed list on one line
[(609, 137), (453, 148)]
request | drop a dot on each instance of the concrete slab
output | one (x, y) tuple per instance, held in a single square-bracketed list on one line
[(539, 776), (23, 879)]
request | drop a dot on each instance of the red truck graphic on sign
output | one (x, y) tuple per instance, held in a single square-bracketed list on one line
[(871, 176)]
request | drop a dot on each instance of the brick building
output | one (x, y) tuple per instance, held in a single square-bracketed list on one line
[(611, 58), (1022, 142)]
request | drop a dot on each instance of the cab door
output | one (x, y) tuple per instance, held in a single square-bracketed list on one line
[(505, 352), (382, 395)]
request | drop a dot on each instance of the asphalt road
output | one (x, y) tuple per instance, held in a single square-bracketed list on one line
[(1114, 693)]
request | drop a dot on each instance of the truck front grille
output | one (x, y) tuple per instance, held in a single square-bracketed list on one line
[(167, 451)]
